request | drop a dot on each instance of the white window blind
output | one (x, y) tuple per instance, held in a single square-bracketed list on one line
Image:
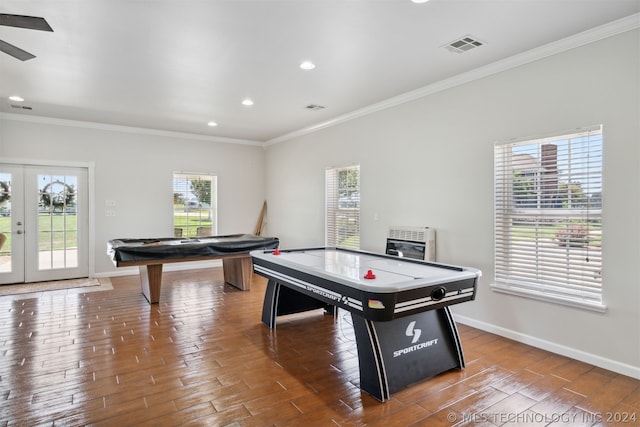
[(194, 205), (548, 218), (343, 207)]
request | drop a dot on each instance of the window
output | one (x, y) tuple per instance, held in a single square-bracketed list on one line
[(194, 205), (343, 207), (548, 218)]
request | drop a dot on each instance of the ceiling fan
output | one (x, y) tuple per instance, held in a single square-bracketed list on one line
[(21, 21)]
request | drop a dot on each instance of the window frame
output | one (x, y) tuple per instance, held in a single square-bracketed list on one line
[(342, 203), (547, 245), (199, 220)]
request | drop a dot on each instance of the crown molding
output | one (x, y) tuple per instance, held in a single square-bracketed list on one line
[(619, 26), (601, 32), (125, 129)]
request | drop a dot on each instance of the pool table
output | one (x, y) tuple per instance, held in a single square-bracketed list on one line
[(151, 254)]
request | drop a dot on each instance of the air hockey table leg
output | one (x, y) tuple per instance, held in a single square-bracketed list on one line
[(280, 300), (397, 353)]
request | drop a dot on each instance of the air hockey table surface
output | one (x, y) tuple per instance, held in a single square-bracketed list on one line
[(375, 286), (350, 268)]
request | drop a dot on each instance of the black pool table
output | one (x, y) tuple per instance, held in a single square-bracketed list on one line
[(150, 254)]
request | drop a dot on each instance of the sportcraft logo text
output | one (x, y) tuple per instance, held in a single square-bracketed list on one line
[(411, 331)]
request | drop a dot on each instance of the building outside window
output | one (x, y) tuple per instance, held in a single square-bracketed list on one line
[(343, 207), (548, 218)]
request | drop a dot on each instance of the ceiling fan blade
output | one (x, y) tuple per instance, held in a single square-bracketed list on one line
[(22, 21), (14, 51)]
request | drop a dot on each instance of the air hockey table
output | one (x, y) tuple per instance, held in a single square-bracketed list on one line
[(151, 254), (404, 329)]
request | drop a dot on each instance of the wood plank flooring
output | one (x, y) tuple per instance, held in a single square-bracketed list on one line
[(202, 357)]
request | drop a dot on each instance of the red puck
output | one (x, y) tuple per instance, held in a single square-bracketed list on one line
[(369, 275), (276, 252)]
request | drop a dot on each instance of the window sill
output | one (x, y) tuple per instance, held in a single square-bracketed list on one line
[(540, 296)]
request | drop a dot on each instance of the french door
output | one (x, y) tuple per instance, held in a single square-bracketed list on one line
[(43, 223)]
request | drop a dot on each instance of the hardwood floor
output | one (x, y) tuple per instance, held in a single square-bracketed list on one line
[(202, 357)]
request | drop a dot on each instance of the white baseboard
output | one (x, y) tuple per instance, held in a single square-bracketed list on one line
[(602, 362), (175, 266)]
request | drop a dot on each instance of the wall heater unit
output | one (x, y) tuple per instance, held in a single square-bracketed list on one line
[(412, 242)]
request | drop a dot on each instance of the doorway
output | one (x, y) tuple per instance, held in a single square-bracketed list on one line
[(43, 223)]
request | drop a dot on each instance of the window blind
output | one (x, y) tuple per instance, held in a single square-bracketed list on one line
[(194, 205), (343, 207), (548, 218)]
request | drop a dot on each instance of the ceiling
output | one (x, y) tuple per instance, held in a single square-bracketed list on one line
[(175, 65)]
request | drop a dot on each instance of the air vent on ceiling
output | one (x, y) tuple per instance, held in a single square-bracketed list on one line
[(315, 107), (20, 107), (464, 44)]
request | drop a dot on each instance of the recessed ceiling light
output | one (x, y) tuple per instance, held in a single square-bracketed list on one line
[(212, 124), (16, 98), (247, 102), (419, 1), (307, 65)]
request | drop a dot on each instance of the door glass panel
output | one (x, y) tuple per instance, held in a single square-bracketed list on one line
[(5, 223), (57, 222)]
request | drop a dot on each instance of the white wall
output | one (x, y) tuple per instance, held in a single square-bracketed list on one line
[(430, 162), (136, 169)]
